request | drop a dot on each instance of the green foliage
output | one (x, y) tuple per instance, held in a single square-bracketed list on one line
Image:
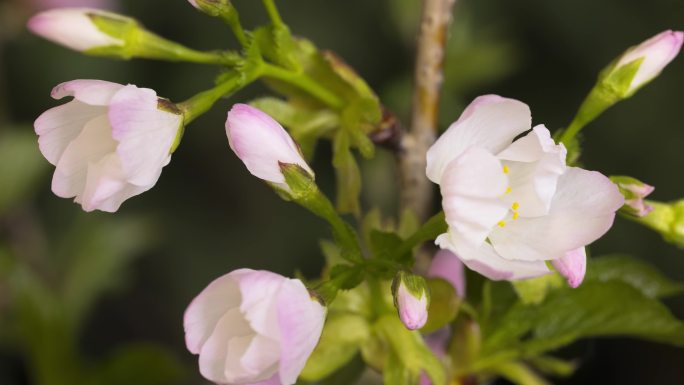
[(642, 276), (140, 364), (667, 219), (444, 305), (533, 291)]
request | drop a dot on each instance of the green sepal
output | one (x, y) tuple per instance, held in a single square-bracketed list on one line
[(347, 174)]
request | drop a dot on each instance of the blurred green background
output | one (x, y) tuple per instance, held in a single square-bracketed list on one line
[(117, 280)]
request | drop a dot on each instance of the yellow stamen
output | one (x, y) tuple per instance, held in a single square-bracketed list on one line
[(508, 190), (506, 170), (516, 205), (515, 215), (501, 223)]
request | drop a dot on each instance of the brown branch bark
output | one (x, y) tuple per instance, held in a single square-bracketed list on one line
[(416, 189)]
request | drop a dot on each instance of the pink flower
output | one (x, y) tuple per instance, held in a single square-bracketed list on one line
[(572, 266), (511, 205), (656, 52), (109, 143), (262, 144), (250, 326), (74, 28), (49, 4), (447, 266)]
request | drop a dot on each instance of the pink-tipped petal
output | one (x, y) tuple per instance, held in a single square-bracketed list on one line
[(105, 188), (261, 143), (144, 132), (572, 266), (72, 28), (489, 122), (259, 290), (447, 266), (91, 92), (413, 311), (301, 320), (487, 262), (582, 210)]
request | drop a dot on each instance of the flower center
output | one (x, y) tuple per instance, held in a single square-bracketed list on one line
[(515, 206)]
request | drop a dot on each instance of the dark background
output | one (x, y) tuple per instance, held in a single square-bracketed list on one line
[(210, 216)]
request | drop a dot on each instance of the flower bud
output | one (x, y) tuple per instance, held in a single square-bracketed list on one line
[(634, 192), (572, 266), (81, 29), (412, 299), (263, 145), (101, 33), (653, 55)]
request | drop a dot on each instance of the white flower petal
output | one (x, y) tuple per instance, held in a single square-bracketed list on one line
[(91, 92), (259, 291), (261, 358), (487, 262), (207, 308), (535, 163), (301, 320), (145, 133), (92, 145), (582, 210), (490, 122), (215, 350), (105, 188), (473, 186), (58, 126)]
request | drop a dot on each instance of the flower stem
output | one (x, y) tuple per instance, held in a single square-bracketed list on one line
[(202, 102), (152, 46), (303, 82), (273, 13), (232, 18)]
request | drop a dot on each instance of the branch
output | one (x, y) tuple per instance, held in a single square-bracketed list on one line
[(416, 189)]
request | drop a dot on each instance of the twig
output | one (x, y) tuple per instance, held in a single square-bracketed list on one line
[(416, 189)]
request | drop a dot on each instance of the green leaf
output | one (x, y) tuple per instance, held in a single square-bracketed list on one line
[(635, 272), (382, 244), (342, 336), (395, 372), (140, 364), (410, 349), (21, 167), (553, 366), (594, 309), (349, 374)]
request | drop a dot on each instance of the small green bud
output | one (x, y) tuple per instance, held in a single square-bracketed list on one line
[(634, 192)]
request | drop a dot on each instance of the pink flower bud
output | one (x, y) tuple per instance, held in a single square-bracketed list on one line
[(73, 28), (262, 144), (656, 52), (109, 143), (251, 326), (412, 299), (572, 266), (447, 266), (49, 4)]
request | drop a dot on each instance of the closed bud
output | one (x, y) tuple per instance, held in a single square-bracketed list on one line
[(266, 149), (634, 192), (101, 33), (412, 299), (648, 59)]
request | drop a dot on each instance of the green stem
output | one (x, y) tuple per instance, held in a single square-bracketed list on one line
[(152, 46), (202, 102), (430, 230), (273, 13), (595, 103), (377, 297), (305, 83), (232, 18)]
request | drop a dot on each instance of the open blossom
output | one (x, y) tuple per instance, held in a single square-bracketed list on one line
[(656, 52), (513, 205), (109, 143), (75, 28), (49, 4), (251, 326), (262, 144)]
